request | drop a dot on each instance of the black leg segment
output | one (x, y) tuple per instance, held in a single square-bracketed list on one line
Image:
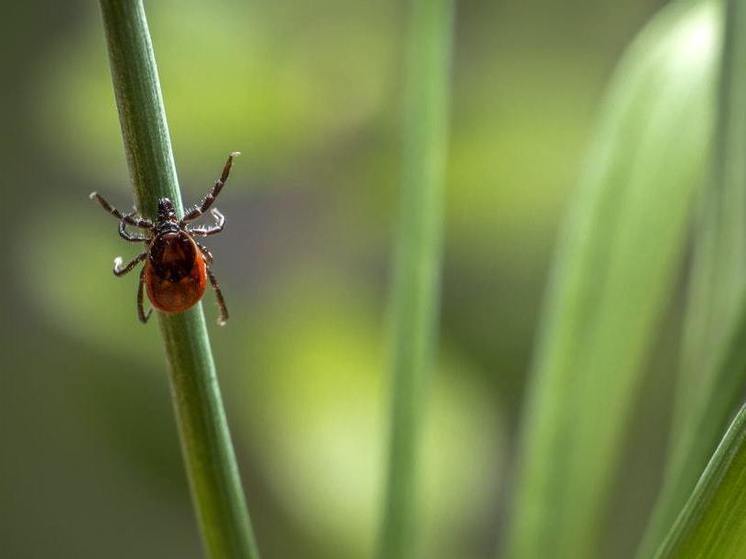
[(223, 317), (129, 219), (140, 308), (207, 230), (198, 209), (205, 252), (120, 271), (126, 235)]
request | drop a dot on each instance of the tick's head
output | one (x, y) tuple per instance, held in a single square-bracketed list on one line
[(166, 210)]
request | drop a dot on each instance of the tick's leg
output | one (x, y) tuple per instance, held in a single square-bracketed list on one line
[(205, 230), (223, 317), (140, 309), (105, 205), (126, 235), (198, 209), (206, 252), (129, 219), (120, 271)]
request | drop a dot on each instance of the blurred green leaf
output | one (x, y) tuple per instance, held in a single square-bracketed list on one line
[(313, 411), (414, 292), (614, 275), (713, 363), (713, 521)]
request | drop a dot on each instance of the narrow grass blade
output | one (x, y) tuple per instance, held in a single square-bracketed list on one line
[(713, 370), (208, 452), (416, 283), (614, 274), (713, 521)]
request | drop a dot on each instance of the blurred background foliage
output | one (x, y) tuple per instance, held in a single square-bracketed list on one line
[(310, 93)]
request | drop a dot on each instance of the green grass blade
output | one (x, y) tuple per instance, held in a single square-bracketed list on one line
[(712, 524), (713, 373), (416, 283), (614, 275), (208, 452)]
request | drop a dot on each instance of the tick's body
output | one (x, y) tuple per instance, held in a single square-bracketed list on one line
[(175, 272), (177, 267)]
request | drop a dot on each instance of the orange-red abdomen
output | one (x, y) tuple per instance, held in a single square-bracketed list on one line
[(175, 274)]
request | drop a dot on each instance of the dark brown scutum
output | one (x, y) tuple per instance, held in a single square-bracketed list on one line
[(173, 256)]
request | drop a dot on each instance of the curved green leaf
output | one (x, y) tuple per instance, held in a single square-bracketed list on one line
[(713, 363), (713, 521), (613, 277)]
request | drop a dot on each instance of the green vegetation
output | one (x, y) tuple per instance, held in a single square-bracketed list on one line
[(615, 274), (712, 524), (613, 282), (713, 360), (415, 292), (375, 408)]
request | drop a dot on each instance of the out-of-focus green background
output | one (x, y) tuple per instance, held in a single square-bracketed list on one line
[(309, 92)]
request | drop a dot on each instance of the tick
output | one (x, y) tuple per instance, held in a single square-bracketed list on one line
[(177, 266)]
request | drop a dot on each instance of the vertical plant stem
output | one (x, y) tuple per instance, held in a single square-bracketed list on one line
[(208, 453), (416, 282)]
